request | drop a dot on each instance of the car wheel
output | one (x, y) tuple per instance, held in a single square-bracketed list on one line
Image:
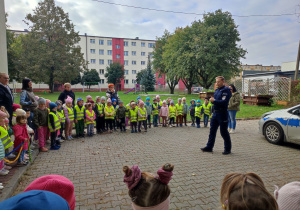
[(273, 133)]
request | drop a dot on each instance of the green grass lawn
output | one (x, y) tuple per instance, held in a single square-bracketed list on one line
[(246, 110)]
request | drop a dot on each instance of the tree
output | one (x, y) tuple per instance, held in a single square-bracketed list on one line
[(215, 47), (90, 76), (48, 51), (114, 73), (172, 78), (148, 78), (77, 80), (140, 75)]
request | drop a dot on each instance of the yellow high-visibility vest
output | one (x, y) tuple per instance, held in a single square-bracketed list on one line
[(172, 111), (61, 115), (155, 111), (79, 112), (207, 108), (109, 110), (71, 114), (56, 122), (179, 109), (198, 111), (100, 108), (7, 143), (133, 115), (91, 115), (143, 113)]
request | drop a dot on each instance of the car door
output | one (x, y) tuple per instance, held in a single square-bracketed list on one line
[(293, 126)]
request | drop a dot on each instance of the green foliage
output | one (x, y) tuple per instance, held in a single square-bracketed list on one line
[(90, 76), (148, 78), (48, 52), (77, 80), (140, 75), (202, 51), (114, 73), (172, 78)]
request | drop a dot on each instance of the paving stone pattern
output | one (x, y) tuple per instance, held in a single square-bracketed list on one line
[(94, 164)]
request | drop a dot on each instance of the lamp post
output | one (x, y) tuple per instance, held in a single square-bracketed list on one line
[(3, 48)]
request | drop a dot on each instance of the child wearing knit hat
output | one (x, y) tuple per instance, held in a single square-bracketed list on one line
[(120, 115), (159, 102), (57, 184), (142, 116), (179, 112), (15, 107), (54, 126), (288, 196), (185, 110), (90, 117), (99, 114), (172, 114), (128, 107), (246, 191), (21, 136), (115, 123), (62, 119), (69, 115), (88, 99), (109, 112), (148, 107), (155, 112), (146, 190), (40, 121), (133, 115), (198, 113), (164, 113), (79, 116), (102, 121)]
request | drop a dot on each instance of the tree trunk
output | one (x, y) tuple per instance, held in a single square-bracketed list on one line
[(189, 90), (172, 89)]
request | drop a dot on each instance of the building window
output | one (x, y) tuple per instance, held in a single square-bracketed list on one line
[(133, 53), (143, 62), (125, 53), (142, 44), (133, 62), (125, 44), (133, 71), (125, 63), (126, 72), (101, 71), (93, 60), (109, 42), (133, 43), (92, 41), (92, 51), (101, 52), (101, 81), (109, 52), (126, 81), (101, 61), (151, 45), (109, 62), (143, 54), (118, 46), (101, 42), (118, 56), (133, 81)]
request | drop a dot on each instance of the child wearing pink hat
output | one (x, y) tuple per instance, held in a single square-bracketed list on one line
[(146, 190), (109, 112), (69, 115), (164, 113), (142, 116), (15, 107), (57, 184), (288, 196), (159, 102)]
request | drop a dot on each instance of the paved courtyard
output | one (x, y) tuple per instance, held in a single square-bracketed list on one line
[(94, 165)]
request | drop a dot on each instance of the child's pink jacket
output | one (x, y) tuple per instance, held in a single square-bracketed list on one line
[(87, 116), (164, 111)]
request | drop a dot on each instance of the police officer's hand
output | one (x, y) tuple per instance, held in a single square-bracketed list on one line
[(212, 99)]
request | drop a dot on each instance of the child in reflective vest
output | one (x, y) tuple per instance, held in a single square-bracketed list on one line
[(128, 107), (40, 121), (148, 107), (109, 112), (99, 114), (207, 110), (79, 116), (179, 112), (115, 123), (54, 126), (90, 119), (102, 121), (164, 113), (142, 116), (185, 110), (192, 111), (198, 113), (133, 114), (69, 115), (172, 114), (62, 119), (155, 112)]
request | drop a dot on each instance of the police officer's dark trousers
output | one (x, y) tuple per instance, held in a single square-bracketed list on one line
[(219, 119)]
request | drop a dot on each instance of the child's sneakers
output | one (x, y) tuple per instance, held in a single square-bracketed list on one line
[(4, 172), (177, 125), (135, 130), (185, 124), (170, 126), (132, 131), (180, 125), (23, 163), (198, 126), (55, 147)]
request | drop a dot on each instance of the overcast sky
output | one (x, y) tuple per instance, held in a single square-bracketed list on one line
[(268, 40)]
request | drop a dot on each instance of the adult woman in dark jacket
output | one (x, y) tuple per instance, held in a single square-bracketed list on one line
[(112, 93), (233, 108), (67, 92), (27, 97)]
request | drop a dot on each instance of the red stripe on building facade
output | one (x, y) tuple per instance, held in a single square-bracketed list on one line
[(118, 55)]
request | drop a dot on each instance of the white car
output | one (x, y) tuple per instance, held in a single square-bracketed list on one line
[(281, 125)]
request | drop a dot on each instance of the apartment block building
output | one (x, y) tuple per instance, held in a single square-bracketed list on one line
[(100, 51)]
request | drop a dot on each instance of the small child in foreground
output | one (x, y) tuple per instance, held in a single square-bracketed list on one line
[(90, 119), (142, 113), (147, 190), (164, 113), (133, 114)]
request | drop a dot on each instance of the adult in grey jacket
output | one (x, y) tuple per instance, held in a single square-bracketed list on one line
[(6, 95), (233, 108)]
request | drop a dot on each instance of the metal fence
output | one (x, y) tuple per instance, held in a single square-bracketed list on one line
[(279, 87)]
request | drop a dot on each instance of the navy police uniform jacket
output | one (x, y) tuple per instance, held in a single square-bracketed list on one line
[(221, 96)]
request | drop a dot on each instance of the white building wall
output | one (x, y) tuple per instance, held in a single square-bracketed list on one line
[(3, 49), (288, 66)]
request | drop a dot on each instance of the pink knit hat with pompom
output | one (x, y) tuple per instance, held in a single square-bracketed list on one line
[(2, 115), (141, 102), (69, 100), (57, 184), (108, 100), (288, 196)]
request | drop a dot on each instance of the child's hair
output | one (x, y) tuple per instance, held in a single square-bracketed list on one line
[(146, 190), (67, 84), (206, 98), (88, 105), (19, 118), (246, 191)]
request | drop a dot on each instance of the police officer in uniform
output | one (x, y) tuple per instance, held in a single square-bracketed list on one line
[(220, 117)]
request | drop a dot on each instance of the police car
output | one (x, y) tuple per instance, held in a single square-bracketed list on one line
[(281, 125)]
